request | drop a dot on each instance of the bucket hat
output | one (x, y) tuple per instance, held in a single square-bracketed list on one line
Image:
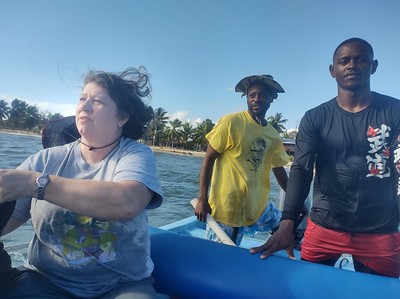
[(268, 80), (59, 131)]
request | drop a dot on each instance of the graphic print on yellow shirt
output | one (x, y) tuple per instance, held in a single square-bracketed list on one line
[(256, 153)]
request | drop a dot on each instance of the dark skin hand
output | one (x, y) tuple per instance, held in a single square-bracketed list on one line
[(281, 239)]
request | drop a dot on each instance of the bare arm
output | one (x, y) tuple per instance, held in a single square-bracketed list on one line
[(202, 207), (98, 199), (104, 200), (281, 176)]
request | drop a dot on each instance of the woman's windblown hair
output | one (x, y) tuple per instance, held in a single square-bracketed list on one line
[(127, 89)]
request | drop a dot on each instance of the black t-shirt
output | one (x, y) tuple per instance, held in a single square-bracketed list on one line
[(356, 181)]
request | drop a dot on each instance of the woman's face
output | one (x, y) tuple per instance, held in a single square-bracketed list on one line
[(97, 116)]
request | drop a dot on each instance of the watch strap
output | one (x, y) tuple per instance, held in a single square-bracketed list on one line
[(41, 186)]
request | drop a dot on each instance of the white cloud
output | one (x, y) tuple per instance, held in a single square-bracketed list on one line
[(184, 117), (196, 121), (63, 109), (181, 115)]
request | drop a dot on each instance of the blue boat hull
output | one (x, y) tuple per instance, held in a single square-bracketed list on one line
[(187, 267)]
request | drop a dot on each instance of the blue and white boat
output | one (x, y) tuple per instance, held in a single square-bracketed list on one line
[(188, 266)]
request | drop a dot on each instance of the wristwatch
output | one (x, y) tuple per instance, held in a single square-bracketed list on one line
[(41, 183)]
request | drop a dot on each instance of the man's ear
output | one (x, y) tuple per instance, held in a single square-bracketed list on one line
[(374, 66), (331, 70)]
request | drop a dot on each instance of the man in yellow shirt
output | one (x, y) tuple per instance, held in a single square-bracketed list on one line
[(242, 149)]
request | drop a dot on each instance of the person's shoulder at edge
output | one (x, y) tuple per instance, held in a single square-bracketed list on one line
[(332, 102), (52, 155), (232, 115), (59, 148), (230, 118), (384, 97), (325, 106), (134, 145)]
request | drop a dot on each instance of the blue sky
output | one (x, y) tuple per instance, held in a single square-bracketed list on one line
[(195, 51)]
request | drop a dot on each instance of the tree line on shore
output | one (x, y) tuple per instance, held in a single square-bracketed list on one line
[(161, 131), (23, 117)]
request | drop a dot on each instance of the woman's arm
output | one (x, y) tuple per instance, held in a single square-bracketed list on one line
[(97, 199)]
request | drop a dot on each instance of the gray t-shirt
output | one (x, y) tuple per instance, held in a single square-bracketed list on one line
[(84, 255)]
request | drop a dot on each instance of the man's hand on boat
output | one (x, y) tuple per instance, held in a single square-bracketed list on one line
[(281, 239), (202, 209)]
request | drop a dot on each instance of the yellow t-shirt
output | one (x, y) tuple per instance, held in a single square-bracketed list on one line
[(240, 183)]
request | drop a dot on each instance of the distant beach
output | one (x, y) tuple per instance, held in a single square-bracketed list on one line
[(19, 132), (178, 151), (164, 149)]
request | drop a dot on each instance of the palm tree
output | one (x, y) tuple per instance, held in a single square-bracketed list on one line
[(277, 122), (173, 131), (186, 133), (157, 124), (4, 110), (290, 134), (201, 131), (18, 113), (33, 118), (50, 116)]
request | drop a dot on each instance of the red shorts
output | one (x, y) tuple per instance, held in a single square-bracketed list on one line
[(380, 252)]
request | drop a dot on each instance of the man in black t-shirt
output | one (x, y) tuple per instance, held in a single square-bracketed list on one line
[(352, 143)]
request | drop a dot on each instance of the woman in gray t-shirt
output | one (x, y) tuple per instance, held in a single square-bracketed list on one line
[(87, 199)]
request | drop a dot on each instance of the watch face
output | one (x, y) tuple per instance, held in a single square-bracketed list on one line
[(42, 180)]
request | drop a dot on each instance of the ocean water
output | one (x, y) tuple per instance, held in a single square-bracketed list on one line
[(179, 175)]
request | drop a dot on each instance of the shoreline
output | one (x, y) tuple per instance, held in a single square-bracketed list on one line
[(177, 151), (19, 132), (163, 149)]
